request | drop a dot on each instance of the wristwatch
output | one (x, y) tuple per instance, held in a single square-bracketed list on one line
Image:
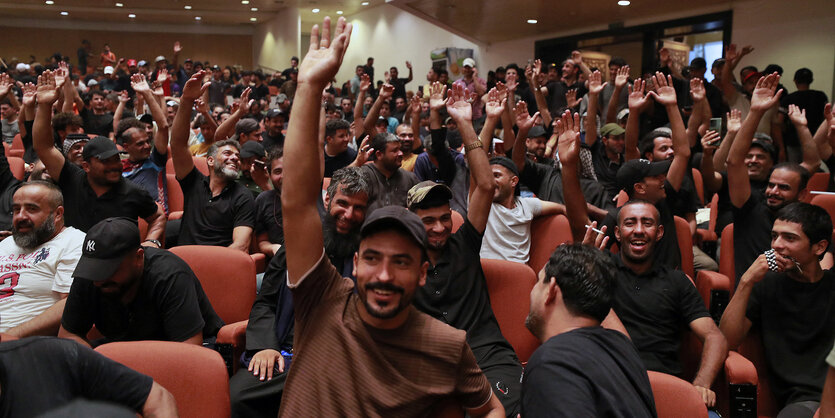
[(474, 145), (155, 242)]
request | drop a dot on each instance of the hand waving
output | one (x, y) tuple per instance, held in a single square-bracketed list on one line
[(663, 93), (797, 115), (763, 96), (139, 84), (29, 93), (245, 102), (495, 103), (734, 120), (324, 57), (638, 101), (414, 106), (571, 99), (5, 84), (595, 83), (365, 83), (458, 104), (697, 90), (436, 96), (61, 74), (524, 121), (386, 91), (622, 77), (194, 87), (568, 142), (47, 89)]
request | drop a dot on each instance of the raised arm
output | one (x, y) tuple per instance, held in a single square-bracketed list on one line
[(365, 82), (183, 164), (665, 94), (120, 109), (371, 119), (621, 79), (697, 116), (595, 87), (712, 179), (732, 59), (637, 103), (508, 136), (577, 57), (568, 147), (494, 109), (734, 122), (226, 129), (302, 226), (541, 103), (140, 86), (762, 99), (811, 159), (42, 139), (524, 121), (823, 136), (459, 107), (410, 77)]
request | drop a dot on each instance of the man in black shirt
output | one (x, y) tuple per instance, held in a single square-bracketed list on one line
[(218, 210), (337, 152), (131, 293), (455, 291), (41, 374), (269, 233), (97, 120), (399, 83), (581, 369), (790, 301), (96, 190), (273, 124), (389, 182), (607, 156), (653, 301)]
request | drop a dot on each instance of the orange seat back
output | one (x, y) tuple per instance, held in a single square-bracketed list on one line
[(726, 255), (176, 201), (547, 233), (195, 375), (826, 201), (685, 246), (819, 182), (700, 185), (457, 221), (509, 285), (752, 349), (17, 167), (675, 397)]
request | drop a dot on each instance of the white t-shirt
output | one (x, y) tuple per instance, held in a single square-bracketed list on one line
[(29, 279), (508, 232), (742, 103)]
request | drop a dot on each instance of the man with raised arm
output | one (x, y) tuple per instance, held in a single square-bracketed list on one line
[(96, 190), (652, 300), (363, 352), (218, 210)]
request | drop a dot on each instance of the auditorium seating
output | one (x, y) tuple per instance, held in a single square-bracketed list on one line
[(547, 232), (675, 398), (509, 285)]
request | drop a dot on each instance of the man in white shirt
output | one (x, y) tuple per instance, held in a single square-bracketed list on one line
[(508, 232), (37, 262)]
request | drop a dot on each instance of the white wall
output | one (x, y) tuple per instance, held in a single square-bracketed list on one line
[(276, 40)]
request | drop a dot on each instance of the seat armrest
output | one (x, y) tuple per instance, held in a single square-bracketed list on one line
[(260, 262), (715, 289), (175, 215), (706, 236), (740, 370), (234, 334)]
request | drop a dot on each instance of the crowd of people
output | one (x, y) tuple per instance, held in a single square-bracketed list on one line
[(371, 303)]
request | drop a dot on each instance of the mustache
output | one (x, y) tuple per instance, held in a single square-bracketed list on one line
[(24, 224), (384, 286)]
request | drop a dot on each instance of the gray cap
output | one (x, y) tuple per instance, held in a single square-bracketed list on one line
[(398, 217)]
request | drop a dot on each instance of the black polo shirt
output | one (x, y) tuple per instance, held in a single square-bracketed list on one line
[(97, 124), (210, 220), (272, 142), (545, 181), (387, 191), (170, 305), (726, 212), (83, 209), (456, 293), (752, 232), (666, 251), (655, 307), (605, 169), (268, 216)]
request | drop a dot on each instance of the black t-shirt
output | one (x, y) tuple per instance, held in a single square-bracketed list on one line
[(210, 220), (655, 307), (605, 169), (752, 232), (684, 201), (796, 321), (270, 142), (546, 182), (8, 186), (39, 374), (666, 249), (83, 209), (456, 294), (170, 305), (587, 372), (726, 213), (268, 216), (338, 161), (97, 124), (813, 101), (260, 92)]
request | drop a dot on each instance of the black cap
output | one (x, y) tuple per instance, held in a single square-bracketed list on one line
[(396, 216), (187, 60), (765, 142), (635, 171), (100, 147), (146, 118), (106, 244), (273, 113), (252, 149), (506, 163), (536, 132)]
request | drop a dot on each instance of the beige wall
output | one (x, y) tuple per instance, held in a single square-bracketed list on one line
[(276, 40), (221, 49)]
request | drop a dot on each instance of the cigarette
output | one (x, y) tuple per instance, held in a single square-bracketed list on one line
[(594, 229)]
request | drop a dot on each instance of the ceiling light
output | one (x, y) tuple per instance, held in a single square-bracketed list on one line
[(65, 13), (531, 21), (197, 18), (315, 10), (339, 12), (252, 19), (244, 1), (119, 5), (254, 9), (49, 2), (187, 7), (365, 3), (624, 3), (132, 16)]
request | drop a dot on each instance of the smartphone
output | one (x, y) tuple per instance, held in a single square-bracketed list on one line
[(716, 124), (420, 89)]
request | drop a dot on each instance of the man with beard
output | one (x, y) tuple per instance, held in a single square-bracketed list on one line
[(652, 300), (36, 263), (96, 190), (581, 368), (257, 387), (456, 292), (374, 343), (272, 137), (218, 210), (754, 213), (389, 182), (134, 293), (269, 233)]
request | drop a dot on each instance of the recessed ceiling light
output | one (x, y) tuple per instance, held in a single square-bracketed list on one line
[(244, 1), (531, 21), (49, 2), (315, 10), (624, 3), (339, 12), (65, 13), (365, 3), (187, 7), (119, 5), (132, 16), (197, 17), (254, 9), (252, 19)]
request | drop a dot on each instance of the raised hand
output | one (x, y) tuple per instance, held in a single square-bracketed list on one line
[(61, 74), (162, 75), (797, 115), (139, 84), (576, 57), (637, 100), (414, 106), (365, 83), (245, 102), (324, 57), (734, 120), (408, 65), (124, 97), (571, 98), (596, 83), (595, 239), (524, 121), (732, 55), (622, 77), (568, 141), (663, 93), (30, 91), (763, 96), (177, 47), (47, 89), (386, 91), (495, 103), (194, 87), (436, 96), (459, 104), (5, 84), (710, 141), (201, 106), (697, 90), (364, 152)]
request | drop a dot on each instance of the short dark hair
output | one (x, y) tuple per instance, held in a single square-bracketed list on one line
[(699, 63), (335, 125), (350, 179), (61, 120), (219, 144), (773, 68), (246, 125), (814, 220), (441, 71), (586, 277), (274, 154), (803, 76), (125, 125), (638, 202), (381, 140), (797, 168), (620, 62)]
